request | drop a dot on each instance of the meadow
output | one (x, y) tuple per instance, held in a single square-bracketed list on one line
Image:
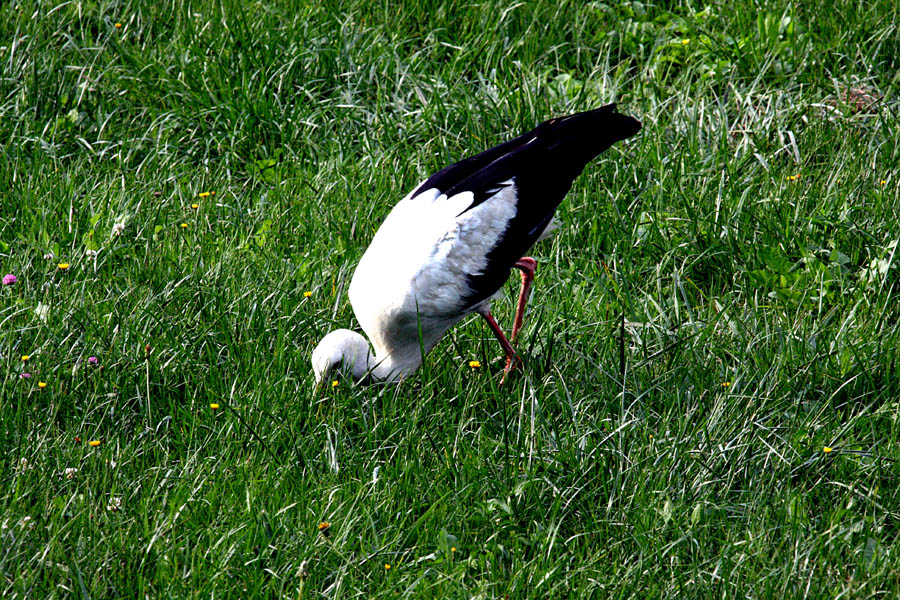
[(709, 401)]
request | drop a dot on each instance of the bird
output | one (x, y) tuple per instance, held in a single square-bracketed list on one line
[(446, 249)]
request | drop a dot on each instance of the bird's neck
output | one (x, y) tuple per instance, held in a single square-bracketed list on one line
[(396, 365)]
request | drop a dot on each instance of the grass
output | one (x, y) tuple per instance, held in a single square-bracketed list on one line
[(720, 305)]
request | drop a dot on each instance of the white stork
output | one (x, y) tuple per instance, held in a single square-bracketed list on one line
[(447, 248)]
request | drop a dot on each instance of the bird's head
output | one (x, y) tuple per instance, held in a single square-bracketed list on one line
[(344, 350)]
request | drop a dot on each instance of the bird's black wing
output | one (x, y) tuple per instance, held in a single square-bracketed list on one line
[(542, 164)]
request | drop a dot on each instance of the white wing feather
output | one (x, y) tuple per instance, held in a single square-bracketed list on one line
[(418, 262)]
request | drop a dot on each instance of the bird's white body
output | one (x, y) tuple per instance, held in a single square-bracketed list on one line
[(445, 250), (412, 278)]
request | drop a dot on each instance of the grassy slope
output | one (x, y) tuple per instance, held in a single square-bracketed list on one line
[(761, 312)]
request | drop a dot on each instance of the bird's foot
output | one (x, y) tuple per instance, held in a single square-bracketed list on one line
[(513, 363)]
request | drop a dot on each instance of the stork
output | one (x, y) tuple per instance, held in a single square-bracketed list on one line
[(447, 248)]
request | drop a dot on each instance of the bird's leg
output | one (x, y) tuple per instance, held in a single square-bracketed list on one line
[(527, 265), (498, 333)]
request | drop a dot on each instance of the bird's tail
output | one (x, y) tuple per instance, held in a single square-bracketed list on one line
[(576, 139)]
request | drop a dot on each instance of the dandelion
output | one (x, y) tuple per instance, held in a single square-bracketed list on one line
[(25, 357), (9, 279), (827, 449), (452, 548), (70, 472), (118, 26), (206, 194), (42, 384), (685, 41), (474, 364), (195, 206), (184, 225), (214, 405), (882, 182), (92, 360), (307, 294), (94, 443), (387, 566), (334, 383), (726, 384), (793, 177), (325, 528), (63, 266)]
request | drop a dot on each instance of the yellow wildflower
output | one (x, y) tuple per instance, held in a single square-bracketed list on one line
[(63, 266), (334, 383), (307, 294), (184, 225), (195, 206), (827, 449), (726, 384), (94, 443), (42, 384), (387, 566), (118, 26), (474, 364), (214, 405), (25, 357), (685, 41), (324, 528)]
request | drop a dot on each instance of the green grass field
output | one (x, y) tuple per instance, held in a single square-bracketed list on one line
[(710, 399)]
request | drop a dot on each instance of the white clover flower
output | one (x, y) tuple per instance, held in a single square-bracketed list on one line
[(42, 311)]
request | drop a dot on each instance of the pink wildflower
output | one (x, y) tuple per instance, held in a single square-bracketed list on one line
[(9, 279), (92, 360)]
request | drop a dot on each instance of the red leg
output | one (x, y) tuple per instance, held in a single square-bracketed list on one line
[(527, 265), (498, 333)]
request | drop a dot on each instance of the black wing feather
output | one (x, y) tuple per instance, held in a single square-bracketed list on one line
[(542, 164)]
